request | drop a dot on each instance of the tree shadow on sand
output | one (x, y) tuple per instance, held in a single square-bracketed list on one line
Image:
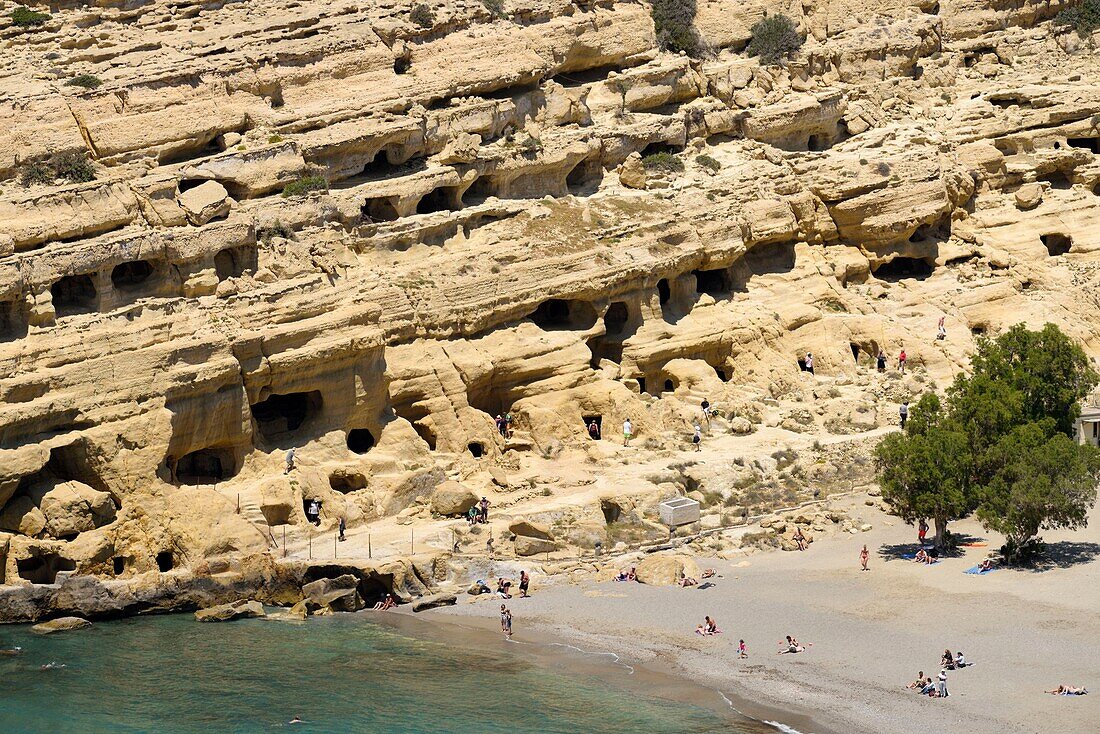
[(906, 551), (1063, 554)]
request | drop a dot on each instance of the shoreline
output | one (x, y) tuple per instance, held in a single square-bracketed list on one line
[(650, 678)]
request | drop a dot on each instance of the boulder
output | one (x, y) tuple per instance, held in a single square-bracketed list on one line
[(233, 610), (61, 624), (21, 516), (452, 499), (73, 507), (741, 426), (527, 546), (663, 570), (1029, 196), (530, 529), (205, 202), (433, 601), (340, 594), (632, 172)]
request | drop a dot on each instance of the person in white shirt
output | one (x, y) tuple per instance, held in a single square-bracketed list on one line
[(628, 432)]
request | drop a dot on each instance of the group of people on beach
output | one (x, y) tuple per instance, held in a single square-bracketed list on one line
[(925, 686)]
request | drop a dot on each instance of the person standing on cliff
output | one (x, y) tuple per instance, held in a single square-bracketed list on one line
[(697, 439), (902, 358), (881, 361), (484, 506), (289, 461), (903, 413), (706, 411), (628, 432), (343, 527), (809, 362)]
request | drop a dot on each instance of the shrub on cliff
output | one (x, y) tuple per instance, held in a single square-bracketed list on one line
[(674, 20), (73, 167), (495, 7), (662, 162), (305, 185), (774, 38), (26, 18), (36, 172), (705, 161), (85, 80), (1084, 18), (422, 15)]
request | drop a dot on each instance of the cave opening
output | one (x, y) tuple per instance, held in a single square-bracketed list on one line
[(131, 275), (476, 449), (1092, 144), (817, 142), (345, 481), (669, 386), (588, 421), (722, 375), (42, 567), (118, 564), (611, 511), (415, 415), (233, 262), (12, 324), (281, 415), (73, 294), (401, 65), (902, 268), (480, 190), (556, 314), (664, 293), (1058, 180), (713, 282), (360, 440), (641, 384), (769, 259), (442, 199), (378, 209), (205, 466), (165, 561), (1056, 244), (855, 350), (585, 178)]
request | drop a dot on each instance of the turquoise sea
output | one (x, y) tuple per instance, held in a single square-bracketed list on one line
[(346, 673)]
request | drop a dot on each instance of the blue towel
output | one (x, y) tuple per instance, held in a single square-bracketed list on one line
[(977, 571)]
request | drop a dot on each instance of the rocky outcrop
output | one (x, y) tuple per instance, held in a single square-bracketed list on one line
[(61, 624), (241, 609), (666, 569), (347, 235)]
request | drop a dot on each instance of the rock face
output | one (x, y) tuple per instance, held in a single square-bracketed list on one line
[(666, 569), (339, 232), (61, 624), (233, 610), (433, 601)]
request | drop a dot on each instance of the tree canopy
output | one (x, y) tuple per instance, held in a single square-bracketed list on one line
[(1000, 444)]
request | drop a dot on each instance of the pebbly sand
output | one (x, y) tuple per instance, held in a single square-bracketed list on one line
[(1027, 632)]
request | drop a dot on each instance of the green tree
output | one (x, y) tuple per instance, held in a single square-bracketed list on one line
[(925, 475), (1000, 443), (1042, 481), (773, 38)]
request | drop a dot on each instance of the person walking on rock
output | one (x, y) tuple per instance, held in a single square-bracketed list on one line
[(594, 430), (706, 411), (901, 362), (289, 461), (903, 413), (343, 527), (941, 330), (628, 432), (697, 439), (499, 420), (881, 361), (484, 509)]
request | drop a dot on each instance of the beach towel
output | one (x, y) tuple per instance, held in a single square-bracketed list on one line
[(975, 545), (705, 585), (977, 571)]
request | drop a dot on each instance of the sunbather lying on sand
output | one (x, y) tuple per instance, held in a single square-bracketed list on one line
[(627, 575), (687, 581), (986, 565), (709, 573), (1069, 691)]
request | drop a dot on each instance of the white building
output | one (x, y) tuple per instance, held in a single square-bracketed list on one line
[(1088, 425)]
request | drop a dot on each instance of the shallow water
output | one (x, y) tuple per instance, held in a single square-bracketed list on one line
[(172, 675)]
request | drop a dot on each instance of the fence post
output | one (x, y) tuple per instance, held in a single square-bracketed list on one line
[(284, 541), (334, 538), (311, 544), (369, 554), (412, 542)]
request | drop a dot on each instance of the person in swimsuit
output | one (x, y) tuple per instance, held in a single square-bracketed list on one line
[(524, 583), (505, 621), (922, 531), (863, 556), (918, 683), (742, 650), (800, 539)]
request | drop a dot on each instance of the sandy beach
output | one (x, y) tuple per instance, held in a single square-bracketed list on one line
[(868, 632)]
